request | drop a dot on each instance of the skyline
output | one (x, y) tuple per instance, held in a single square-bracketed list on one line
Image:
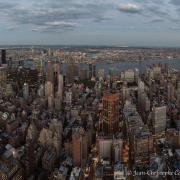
[(108, 22)]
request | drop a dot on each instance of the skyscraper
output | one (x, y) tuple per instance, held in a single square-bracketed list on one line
[(110, 114), (25, 91), (159, 120), (3, 56), (54, 85), (72, 72), (92, 71), (50, 71), (79, 147)]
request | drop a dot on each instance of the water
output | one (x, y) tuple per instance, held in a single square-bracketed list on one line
[(120, 66)]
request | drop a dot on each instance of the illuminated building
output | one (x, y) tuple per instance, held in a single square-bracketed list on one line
[(110, 117)]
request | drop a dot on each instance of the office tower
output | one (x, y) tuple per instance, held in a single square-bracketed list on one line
[(49, 89), (41, 74), (3, 56), (94, 70), (143, 99), (54, 86), (56, 73), (25, 91), (79, 147), (159, 120), (59, 92), (170, 91), (60, 85), (110, 117), (10, 63), (50, 71), (90, 71), (141, 89), (101, 74), (3, 74), (83, 74), (72, 72)]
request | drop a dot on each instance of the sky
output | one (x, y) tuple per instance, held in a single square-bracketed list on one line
[(90, 22)]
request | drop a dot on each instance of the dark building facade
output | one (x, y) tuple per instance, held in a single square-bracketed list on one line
[(3, 56)]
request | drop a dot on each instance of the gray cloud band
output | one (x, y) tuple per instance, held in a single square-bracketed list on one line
[(60, 15)]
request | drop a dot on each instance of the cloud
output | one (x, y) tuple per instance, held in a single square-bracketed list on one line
[(157, 11), (6, 5), (157, 20), (175, 2), (55, 14), (61, 15), (61, 24), (130, 8), (55, 26), (175, 28), (102, 19), (12, 28)]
